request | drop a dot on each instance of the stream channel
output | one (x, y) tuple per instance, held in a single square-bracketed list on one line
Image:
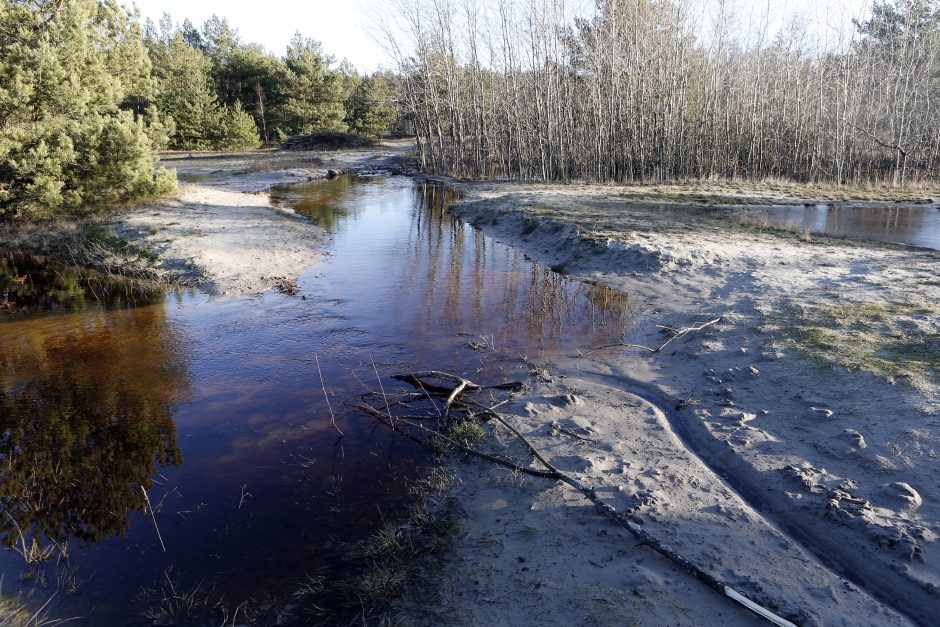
[(215, 407), (895, 223)]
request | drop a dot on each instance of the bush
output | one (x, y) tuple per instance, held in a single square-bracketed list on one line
[(115, 161), (236, 129)]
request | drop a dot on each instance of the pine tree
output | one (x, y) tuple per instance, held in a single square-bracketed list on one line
[(184, 93), (311, 92), (236, 129), (65, 68), (187, 90), (368, 111)]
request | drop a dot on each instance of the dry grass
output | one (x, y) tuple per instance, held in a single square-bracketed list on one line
[(763, 223), (89, 244), (467, 432), (401, 556), (380, 570), (772, 190), (14, 612), (174, 604)]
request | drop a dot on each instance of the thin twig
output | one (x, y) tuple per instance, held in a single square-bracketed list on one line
[(445, 415), (154, 518), (453, 444), (327, 397), (381, 387), (676, 334)]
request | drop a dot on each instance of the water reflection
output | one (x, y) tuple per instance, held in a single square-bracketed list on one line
[(884, 222), (86, 418), (327, 203), (35, 283), (466, 282), (421, 276), (95, 402)]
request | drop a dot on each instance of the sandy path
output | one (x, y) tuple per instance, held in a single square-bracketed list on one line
[(840, 461)]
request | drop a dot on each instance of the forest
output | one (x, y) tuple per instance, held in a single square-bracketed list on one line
[(637, 91), (661, 90), (89, 93)]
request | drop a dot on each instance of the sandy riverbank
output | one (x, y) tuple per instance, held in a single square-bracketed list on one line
[(224, 235), (229, 243), (815, 397), (789, 450)]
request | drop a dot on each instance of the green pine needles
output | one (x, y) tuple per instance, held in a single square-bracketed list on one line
[(66, 143)]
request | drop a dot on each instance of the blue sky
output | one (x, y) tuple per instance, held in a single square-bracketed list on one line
[(342, 25)]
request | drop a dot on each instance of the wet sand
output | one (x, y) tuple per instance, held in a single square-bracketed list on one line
[(799, 466)]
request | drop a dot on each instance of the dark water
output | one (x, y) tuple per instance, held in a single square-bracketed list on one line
[(32, 283), (882, 222), (215, 408)]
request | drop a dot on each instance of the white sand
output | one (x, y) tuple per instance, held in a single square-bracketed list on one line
[(231, 243)]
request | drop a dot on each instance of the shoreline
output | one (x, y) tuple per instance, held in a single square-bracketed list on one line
[(781, 402), (753, 403)]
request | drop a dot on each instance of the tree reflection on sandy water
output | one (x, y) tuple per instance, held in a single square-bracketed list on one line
[(34, 283)]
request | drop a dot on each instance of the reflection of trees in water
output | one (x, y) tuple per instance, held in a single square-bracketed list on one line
[(36, 283), (501, 293), (326, 202), (85, 417), (897, 221)]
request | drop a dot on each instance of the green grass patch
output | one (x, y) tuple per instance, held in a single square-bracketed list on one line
[(899, 342)]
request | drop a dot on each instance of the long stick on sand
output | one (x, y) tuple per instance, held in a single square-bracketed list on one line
[(643, 536)]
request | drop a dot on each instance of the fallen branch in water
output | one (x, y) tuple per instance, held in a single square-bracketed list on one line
[(675, 335), (417, 379), (396, 423)]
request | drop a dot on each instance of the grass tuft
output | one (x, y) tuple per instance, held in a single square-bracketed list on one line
[(467, 432)]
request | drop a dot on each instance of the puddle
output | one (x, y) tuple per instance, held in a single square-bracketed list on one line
[(879, 221), (215, 408)]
